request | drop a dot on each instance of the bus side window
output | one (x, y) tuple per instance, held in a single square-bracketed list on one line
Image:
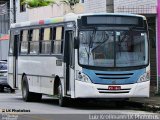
[(58, 43), (34, 42), (24, 42), (46, 41)]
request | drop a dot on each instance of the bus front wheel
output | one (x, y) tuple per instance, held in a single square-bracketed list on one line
[(26, 94), (1, 88), (62, 100)]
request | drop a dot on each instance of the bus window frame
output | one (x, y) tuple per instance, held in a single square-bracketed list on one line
[(34, 41), (63, 24), (20, 42), (13, 32), (39, 27)]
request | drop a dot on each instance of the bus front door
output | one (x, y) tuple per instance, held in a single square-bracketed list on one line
[(69, 60), (14, 59)]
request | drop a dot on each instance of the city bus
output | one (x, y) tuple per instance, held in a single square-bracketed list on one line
[(100, 55)]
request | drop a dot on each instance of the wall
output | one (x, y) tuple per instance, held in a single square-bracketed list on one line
[(95, 6), (42, 12), (45, 12), (135, 6), (53, 11)]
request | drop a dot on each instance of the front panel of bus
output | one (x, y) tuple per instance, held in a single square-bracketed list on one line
[(113, 57)]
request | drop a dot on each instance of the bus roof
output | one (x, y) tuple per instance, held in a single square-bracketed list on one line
[(67, 17)]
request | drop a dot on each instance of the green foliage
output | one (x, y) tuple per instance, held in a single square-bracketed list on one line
[(40, 3), (37, 3)]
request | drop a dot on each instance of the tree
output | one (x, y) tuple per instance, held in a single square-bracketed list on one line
[(71, 3), (37, 3)]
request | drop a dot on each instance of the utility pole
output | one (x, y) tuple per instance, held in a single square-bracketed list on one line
[(109, 6), (14, 11), (158, 47)]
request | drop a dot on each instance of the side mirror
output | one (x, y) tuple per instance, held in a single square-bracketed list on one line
[(76, 42)]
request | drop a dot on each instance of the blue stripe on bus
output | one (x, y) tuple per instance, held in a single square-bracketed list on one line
[(114, 77)]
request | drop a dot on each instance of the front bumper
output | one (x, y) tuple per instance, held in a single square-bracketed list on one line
[(90, 90), (3, 81)]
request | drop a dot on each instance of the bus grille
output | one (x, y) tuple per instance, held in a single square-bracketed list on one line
[(114, 76), (102, 90)]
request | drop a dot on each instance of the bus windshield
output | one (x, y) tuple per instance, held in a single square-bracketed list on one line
[(113, 47)]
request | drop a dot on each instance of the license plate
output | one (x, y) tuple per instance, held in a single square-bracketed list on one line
[(114, 87)]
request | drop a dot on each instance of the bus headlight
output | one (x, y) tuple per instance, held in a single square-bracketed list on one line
[(84, 78), (145, 77)]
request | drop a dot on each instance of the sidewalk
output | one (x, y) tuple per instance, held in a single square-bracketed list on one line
[(151, 103)]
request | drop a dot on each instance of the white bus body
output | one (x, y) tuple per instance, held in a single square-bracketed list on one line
[(42, 61)]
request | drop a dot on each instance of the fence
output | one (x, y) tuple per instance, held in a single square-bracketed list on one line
[(137, 9)]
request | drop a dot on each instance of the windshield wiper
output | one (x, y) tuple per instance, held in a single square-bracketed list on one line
[(105, 40), (90, 43)]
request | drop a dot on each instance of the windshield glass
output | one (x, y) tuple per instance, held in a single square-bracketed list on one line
[(113, 48)]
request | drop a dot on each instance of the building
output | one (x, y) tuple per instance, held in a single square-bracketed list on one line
[(4, 16), (135, 6), (21, 13), (4, 29), (98, 5)]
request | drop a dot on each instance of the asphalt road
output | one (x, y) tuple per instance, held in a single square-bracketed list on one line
[(12, 107)]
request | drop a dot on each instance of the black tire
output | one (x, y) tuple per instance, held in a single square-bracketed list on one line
[(1, 88), (29, 96), (12, 90), (62, 100)]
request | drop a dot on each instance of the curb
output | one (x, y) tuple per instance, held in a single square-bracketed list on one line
[(146, 106), (151, 107)]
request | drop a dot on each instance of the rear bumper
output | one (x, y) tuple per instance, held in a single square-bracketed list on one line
[(90, 90)]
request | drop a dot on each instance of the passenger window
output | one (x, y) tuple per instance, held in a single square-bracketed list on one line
[(58, 43), (24, 42), (35, 35), (46, 34), (46, 42), (34, 43)]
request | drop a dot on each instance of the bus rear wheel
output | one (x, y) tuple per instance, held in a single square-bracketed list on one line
[(62, 100), (26, 94)]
